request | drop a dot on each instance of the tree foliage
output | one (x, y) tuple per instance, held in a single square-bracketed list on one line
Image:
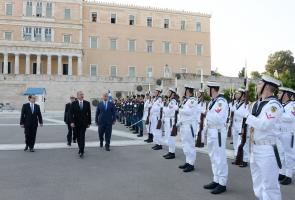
[(242, 73), (255, 75)]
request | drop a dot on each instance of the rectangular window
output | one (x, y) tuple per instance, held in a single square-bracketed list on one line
[(48, 34), (27, 33), (9, 9), (198, 27), (113, 71), (200, 49), (131, 20), (93, 70), (149, 46), (39, 9), (94, 17), (113, 44), (182, 25), (149, 21), (29, 9), (49, 9), (183, 70), (113, 18), (149, 71), (67, 13), (67, 38), (167, 47), (65, 69), (37, 34), (166, 23), (131, 45), (93, 42), (8, 35), (167, 72), (183, 48), (131, 72)]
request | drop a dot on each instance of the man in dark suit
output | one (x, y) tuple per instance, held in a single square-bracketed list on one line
[(30, 116), (71, 131), (80, 119), (105, 118)]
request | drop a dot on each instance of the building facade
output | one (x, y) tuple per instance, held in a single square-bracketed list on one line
[(89, 38)]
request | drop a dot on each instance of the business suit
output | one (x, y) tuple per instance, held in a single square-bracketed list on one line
[(105, 117), (30, 117), (71, 130), (81, 117)]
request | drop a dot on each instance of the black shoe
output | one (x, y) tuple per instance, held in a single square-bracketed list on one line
[(244, 164), (189, 168), (69, 144), (150, 141), (158, 147), (140, 135), (108, 148), (286, 181), (101, 144), (32, 150), (26, 148), (74, 141), (166, 155), (234, 163), (81, 155), (219, 189), (211, 186), (281, 177), (183, 166), (170, 156)]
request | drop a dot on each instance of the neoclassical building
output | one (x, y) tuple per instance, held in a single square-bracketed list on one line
[(90, 38)]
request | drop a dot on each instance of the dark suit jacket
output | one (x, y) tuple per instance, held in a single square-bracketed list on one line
[(29, 119), (67, 113), (78, 117), (103, 116)]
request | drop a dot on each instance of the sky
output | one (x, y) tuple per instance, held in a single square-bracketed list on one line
[(243, 32)]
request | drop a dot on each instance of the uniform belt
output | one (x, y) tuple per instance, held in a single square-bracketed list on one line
[(265, 142), (284, 130)]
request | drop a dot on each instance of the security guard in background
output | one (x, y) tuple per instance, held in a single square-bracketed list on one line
[(216, 117), (264, 157), (187, 124), (286, 136)]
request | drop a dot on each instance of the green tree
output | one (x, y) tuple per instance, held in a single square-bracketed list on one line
[(252, 92), (255, 75), (242, 73)]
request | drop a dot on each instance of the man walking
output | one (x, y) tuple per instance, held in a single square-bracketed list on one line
[(71, 131), (105, 118), (30, 116), (80, 119)]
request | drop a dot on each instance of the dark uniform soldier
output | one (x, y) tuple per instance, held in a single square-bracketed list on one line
[(71, 131), (139, 115)]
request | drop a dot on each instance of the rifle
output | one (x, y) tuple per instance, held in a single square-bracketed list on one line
[(147, 122), (199, 142), (231, 120), (174, 127), (159, 125)]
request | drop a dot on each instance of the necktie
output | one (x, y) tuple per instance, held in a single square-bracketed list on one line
[(32, 108), (81, 105)]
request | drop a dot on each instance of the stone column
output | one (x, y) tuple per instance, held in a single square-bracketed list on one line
[(16, 63), (59, 67), (70, 65), (49, 65), (27, 64), (5, 69), (79, 66), (38, 64)]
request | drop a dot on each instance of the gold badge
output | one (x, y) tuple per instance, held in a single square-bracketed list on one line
[(273, 109)]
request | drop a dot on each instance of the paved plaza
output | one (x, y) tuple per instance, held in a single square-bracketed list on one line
[(130, 171)]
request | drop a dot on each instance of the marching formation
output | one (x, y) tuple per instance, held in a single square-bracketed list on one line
[(262, 132)]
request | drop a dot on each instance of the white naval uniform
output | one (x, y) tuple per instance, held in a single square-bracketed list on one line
[(155, 116), (263, 135), (287, 129), (147, 105), (216, 122), (241, 111), (187, 123), (169, 117), (234, 130)]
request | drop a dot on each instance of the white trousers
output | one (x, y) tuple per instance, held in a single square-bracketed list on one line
[(157, 133), (265, 173), (217, 155), (236, 129), (287, 154), (187, 135), (169, 140)]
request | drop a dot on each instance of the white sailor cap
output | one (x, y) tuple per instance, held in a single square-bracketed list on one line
[(213, 84), (285, 89), (186, 86), (271, 80), (172, 89), (201, 90), (159, 90), (241, 90)]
